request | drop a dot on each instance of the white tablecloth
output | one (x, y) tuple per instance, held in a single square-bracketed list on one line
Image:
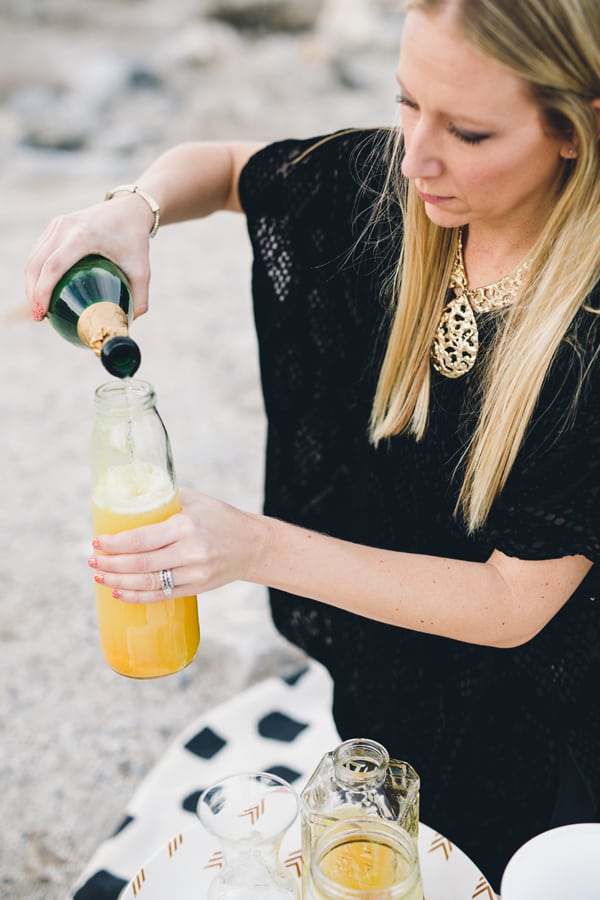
[(283, 726), (280, 726)]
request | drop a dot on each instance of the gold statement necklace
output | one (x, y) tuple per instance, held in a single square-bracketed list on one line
[(456, 342)]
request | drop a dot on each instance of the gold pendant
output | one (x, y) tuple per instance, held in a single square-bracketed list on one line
[(456, 342)]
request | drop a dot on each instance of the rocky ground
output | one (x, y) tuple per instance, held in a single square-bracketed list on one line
[(90, 92)]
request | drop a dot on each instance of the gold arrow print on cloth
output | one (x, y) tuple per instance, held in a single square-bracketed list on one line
[(483, 890), (137, 882), (441, 843), (174, 844)]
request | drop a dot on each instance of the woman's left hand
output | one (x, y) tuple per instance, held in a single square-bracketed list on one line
[(205, 546)]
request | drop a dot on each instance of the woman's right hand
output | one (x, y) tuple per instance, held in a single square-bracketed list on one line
[(189, 181), (118, 229)]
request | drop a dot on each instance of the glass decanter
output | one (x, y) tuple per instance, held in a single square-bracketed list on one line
[(358, 778), (249, 813)]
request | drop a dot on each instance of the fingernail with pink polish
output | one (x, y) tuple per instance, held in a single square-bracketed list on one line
[(93, 562), (37, 312), (95, 543), (99, 578), (117, 594)]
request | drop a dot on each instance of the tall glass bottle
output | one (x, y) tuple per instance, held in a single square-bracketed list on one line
[(92, 306), (133, 484)]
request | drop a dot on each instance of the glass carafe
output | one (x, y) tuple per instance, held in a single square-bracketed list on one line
[(358, 778), (249, 813), (133, 484)]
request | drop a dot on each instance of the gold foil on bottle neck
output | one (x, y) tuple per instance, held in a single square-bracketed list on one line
[(99, 322)]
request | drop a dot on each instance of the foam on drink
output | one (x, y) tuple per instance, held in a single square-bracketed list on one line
[(132, 488)]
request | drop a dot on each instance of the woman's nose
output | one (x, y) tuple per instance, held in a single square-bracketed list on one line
[(421, 154)]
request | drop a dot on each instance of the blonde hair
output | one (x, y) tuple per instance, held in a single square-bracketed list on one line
[(554, 46)]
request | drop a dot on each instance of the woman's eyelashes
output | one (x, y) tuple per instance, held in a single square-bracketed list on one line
[(467, 137), (404, 101)]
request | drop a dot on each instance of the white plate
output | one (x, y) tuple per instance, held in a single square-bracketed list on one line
[(186, 865)]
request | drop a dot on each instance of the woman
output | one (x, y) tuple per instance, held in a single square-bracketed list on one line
[(432, 484)]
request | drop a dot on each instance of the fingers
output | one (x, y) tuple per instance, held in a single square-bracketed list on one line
[(143, 540), (65, 241), (151, 596), (140, 285), (144, 588), (112, 229), (37, 289), (130, 562), (206, 546), (43, 278), (144, 566)]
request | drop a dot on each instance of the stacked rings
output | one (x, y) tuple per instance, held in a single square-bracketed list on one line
[(166, 581)]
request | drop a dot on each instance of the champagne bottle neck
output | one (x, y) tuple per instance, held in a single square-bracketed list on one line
[(99, 322)]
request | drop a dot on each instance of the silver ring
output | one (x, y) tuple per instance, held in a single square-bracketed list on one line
[(166, 581)]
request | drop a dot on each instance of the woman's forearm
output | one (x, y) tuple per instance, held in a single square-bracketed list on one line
[(195, 179), (502, 602), (187, 182)]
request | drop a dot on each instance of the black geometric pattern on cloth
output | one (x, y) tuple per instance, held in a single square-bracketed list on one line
[(101, 886), (123, 825), (295, 677), (190, 802), (279, 727), (205, 744), (289, 775)]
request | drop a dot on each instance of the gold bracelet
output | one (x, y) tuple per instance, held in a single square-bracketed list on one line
[(134, 189)]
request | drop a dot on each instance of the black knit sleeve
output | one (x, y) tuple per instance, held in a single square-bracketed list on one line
[(292, 179), (550, 506)]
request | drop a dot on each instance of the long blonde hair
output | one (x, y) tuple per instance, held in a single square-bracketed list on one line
[(554, 46)]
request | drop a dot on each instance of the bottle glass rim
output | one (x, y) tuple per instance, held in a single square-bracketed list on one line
[(359, 761), (121, 396)]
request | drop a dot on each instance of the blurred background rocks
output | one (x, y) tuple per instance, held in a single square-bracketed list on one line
[(90, 92), (118, 78)]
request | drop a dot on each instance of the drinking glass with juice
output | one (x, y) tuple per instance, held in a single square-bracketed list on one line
[(133, 484), (364, 858)]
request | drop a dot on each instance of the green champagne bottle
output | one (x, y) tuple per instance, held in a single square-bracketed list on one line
[(92, 306)]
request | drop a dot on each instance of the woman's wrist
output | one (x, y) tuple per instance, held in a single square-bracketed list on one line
[(262, 541), (144, 201)]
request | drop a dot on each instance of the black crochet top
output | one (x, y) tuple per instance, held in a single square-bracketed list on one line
[(507, 742)]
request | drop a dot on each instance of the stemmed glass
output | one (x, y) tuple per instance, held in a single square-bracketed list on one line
[(249, 813)]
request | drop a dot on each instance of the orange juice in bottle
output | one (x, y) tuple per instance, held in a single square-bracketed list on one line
[(133, 484)]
